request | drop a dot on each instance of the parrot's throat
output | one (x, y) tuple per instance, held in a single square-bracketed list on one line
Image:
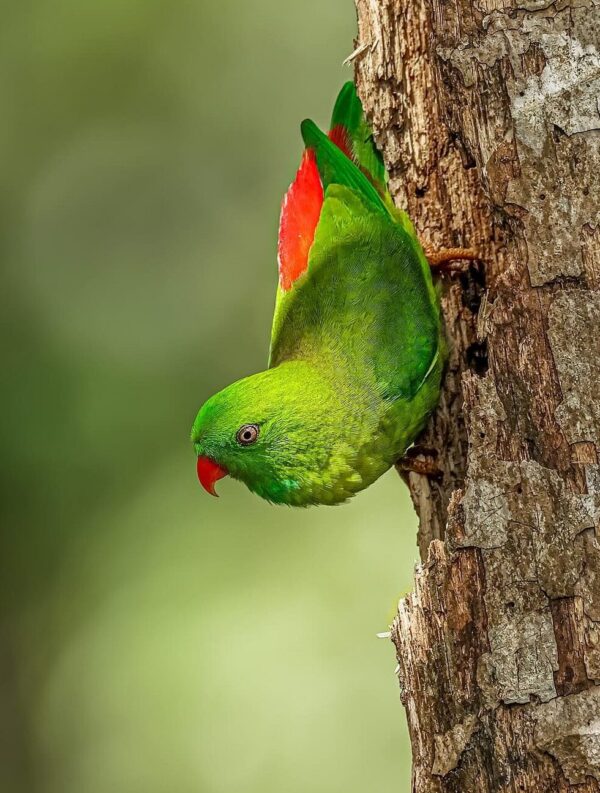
[(209, 473)]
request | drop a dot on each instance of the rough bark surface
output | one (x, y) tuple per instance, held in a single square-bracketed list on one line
[(488, 115)]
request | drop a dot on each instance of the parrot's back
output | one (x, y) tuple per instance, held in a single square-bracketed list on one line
[(364, 298)]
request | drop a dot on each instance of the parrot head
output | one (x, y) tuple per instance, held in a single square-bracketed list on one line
[(269, 432), (234, 432)]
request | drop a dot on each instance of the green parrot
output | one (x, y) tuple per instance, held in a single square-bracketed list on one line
[(357, 347)]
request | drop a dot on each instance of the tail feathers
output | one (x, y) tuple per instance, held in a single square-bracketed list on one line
[(352, 134), (336, 168)]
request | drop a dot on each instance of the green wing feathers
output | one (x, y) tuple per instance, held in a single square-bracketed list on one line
[(364, 300), (365, 293)]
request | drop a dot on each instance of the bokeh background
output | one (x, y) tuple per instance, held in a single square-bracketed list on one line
[(152, 639)]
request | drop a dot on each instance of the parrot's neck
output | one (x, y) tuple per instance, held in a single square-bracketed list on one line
[(339, 444)]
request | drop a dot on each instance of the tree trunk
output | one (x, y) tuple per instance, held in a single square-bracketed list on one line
[(487, 113)]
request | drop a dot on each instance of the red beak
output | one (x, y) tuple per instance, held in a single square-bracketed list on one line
[(209, 472)]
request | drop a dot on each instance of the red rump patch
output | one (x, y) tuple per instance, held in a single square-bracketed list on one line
[(339, 136), (300, 213)]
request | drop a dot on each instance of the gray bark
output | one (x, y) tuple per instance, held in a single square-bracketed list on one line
[(488, 115)]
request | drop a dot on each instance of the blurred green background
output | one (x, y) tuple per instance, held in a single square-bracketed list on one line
[(152, 639)]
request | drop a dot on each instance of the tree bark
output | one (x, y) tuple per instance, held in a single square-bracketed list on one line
[(488, 116)]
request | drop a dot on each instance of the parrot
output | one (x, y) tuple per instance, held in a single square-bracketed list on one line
[(357, 348)]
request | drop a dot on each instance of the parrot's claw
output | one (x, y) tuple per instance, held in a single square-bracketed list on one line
[(422, 461), (450, 259)]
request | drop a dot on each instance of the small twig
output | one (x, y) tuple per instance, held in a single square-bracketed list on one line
[(353, 55)]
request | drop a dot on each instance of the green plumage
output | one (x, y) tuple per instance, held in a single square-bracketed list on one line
[(348, 114), (357, 350)]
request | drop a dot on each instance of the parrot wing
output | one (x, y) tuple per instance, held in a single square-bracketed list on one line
[(348, 257), (351, 140), (364, 301)]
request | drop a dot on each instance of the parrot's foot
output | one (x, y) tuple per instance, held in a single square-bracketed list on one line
[(419, 460), (450, 259)]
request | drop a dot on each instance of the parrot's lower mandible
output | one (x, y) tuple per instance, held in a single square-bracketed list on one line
[(357, 348)]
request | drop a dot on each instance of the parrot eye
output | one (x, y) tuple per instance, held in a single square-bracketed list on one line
[(247, 435)]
